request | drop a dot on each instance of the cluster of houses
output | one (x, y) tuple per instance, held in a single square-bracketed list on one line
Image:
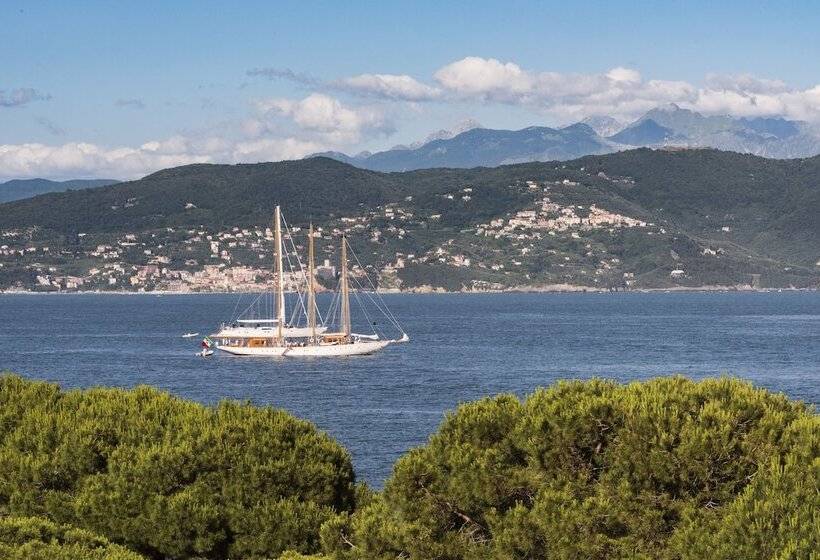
[(239, 259), (550, 217)]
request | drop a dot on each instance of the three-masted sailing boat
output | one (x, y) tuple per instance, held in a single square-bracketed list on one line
[(275, 337)]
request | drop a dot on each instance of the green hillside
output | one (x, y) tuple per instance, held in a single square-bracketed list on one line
[(641, 218)]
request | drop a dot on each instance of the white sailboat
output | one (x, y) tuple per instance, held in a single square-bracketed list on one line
[(344, 342), (265, 336)]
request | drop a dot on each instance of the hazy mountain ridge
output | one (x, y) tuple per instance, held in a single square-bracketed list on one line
[(18, 189), (664, 126)]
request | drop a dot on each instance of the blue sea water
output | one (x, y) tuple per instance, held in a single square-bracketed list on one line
[(464, 346)]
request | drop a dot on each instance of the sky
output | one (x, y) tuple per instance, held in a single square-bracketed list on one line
[(121, 89)]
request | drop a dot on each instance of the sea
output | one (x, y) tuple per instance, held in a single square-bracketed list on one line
[(463, 347)]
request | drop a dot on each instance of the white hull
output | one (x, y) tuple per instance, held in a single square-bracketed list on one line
[(271, 351), (358, 348)]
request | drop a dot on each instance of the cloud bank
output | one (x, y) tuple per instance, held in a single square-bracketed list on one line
[(619, 92), (622, 92), (81, 159), (344, 112)]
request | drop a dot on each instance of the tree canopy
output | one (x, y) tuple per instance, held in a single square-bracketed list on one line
[(167, 477), (664, 469), (32, 538), (669, 468)]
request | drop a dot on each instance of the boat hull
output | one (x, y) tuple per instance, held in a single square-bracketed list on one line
[(270, 351), (359, 348)]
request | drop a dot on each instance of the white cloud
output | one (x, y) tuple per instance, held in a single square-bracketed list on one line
[(82, 159), (274, 149), (622, 92), (313, 124), (284, 128), (488, 78), (328, 118), (745, 83), (388, 86), (621, 74)]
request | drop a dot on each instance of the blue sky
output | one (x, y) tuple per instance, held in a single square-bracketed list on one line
[(120, 89)]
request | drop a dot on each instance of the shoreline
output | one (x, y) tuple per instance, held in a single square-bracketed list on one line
[(549, 289)]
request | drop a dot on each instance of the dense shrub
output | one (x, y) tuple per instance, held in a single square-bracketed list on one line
[(32, 538), (666, 469), (669, 468), (167, 477)]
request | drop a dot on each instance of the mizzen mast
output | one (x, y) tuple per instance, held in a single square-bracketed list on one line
[(280, 280), (311, 302)]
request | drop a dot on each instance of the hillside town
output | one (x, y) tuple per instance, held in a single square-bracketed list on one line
[(558, 236)]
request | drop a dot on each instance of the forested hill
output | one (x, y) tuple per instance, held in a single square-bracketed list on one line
[(719, 217)]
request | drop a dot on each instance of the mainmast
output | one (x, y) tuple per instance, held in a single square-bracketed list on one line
[(311, 302), (345, 291), (280, 280)]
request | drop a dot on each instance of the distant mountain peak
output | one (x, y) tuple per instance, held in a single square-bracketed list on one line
[(604, 125), (671, 108), (645, 132), (445, 134)]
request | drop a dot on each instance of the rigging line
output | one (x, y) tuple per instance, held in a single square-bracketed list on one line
[(376, 305), (386, 311), (256, 300), (287, 255), (235, 305), (364, 312), (334, 305), (382, 307)]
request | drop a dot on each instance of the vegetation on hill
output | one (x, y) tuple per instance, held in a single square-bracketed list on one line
[(717, 218), (664, 469), (169, 478), (223, 196)]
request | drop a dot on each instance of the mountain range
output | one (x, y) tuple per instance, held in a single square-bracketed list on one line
[(18, 189), (668, 126)]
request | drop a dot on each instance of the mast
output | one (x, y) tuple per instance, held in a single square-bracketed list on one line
[(345, 291), (280, 280), (311, 302)]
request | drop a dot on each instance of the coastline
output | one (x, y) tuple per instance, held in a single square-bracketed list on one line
[(547, 289)]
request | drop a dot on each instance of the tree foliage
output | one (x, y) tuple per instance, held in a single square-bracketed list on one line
[(667, 469), (664, 469), (167, 477), (32, 538)]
